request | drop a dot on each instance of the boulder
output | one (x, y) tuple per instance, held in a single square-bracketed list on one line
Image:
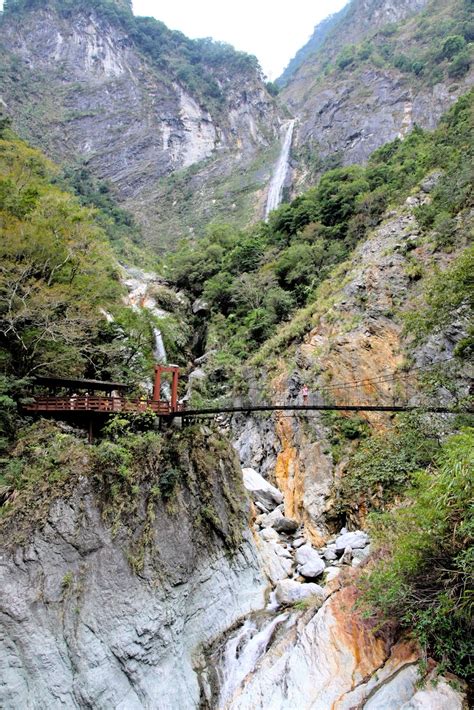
[(261, 490), (355, 540), (347, 556), (275, 566), (200, 307), (288, 591), (269, 535), (330, 554), (331, 573), (310, 563), (298, 542), (359, 556), (267, 521), (285, 525)]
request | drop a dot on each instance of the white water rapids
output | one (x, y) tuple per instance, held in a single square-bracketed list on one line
[(241, 655), (278, 180)]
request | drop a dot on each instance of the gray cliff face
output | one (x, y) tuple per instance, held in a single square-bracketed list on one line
[(89, 94), (80, 629), (345, 112)]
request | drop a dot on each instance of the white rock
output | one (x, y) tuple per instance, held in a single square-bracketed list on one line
[(261, 490), (275, 566), (331, 573), (330, 555), (299, 542), (269, 535), (288, 591), (347, 556), (355, 540), (266, 521), (310, 563)]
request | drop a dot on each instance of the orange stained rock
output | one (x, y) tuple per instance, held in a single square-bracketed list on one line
[(353, 633)]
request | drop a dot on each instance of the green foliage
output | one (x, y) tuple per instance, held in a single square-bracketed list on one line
[(200, 65), (382, 465), (425, 577), (58, 280), (448, 295), (254, 281), (44, 464), (432, 45)]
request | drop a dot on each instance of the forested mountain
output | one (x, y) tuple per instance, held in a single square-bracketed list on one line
[(184, 130), (317, 554), (382, 68)]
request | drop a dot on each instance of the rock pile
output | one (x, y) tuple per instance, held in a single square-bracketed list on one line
[(296, 569)]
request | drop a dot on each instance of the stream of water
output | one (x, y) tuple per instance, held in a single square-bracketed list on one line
[(278, 180), (241, 654)]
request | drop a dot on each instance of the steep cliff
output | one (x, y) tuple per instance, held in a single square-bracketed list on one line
[(380, 69), (108, 600), (184, 130)]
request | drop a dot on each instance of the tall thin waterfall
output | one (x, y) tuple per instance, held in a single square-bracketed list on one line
[(278, 180)]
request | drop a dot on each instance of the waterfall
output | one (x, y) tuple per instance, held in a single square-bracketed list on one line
[(278, 180), (159, 352), (241, 654)]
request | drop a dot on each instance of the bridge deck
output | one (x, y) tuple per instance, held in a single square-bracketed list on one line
[(162, 408), (101, 405)]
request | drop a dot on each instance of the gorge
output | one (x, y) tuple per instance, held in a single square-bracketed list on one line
[(161, 203)]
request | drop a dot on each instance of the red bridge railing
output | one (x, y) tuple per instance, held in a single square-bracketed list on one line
[(106, 405)]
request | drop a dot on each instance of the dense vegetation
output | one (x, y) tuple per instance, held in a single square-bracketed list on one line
[(200, 65), (436, 43), (58, 281), (255, 280), (424, 578)]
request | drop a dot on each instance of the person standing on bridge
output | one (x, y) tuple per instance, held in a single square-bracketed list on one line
[(305, 392)]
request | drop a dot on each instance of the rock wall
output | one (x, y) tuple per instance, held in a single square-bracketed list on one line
[(82, 89), (344, 114), (355, 335), (80, 629)]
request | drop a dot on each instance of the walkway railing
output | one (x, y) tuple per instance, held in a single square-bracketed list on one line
[(105, 405)]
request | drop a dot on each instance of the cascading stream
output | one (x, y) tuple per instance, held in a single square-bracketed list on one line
[(278, 180), (241, 654)]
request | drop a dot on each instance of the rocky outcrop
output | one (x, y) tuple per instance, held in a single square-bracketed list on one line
[(80, 628), (80, 86), (331, 658), (346, 112)]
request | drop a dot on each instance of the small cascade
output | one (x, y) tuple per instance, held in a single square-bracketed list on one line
[(278, 180), (159, 352), (242, 652)]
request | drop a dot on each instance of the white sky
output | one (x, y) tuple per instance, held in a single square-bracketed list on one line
[(273, 30)]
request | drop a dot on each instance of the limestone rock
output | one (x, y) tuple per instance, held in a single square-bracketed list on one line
[(355, 540), (285, 525), (261, 490), (288, 591), (310, 563), (275, 566), (269, 535), (99, 635)]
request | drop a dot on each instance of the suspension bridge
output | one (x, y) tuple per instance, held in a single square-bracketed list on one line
[(388, 392)]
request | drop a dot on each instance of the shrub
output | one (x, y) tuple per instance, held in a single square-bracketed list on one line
[(425, 578)]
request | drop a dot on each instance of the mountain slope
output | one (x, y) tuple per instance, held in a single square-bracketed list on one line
[(137, 103), (382, 69)]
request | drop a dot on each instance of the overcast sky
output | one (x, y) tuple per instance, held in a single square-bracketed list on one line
[(271, 29)]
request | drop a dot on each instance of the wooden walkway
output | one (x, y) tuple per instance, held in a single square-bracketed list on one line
[(99, 405)]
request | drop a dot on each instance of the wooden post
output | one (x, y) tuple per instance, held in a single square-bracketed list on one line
[(91, 431), (157, 384), (174, 390)]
